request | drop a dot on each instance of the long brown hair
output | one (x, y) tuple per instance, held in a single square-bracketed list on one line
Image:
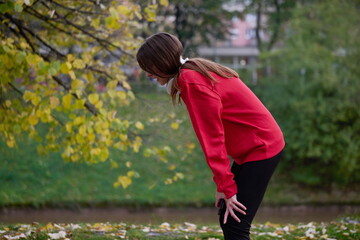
[(160, 55)]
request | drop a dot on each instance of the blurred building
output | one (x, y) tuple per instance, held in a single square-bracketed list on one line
[(239, 51)]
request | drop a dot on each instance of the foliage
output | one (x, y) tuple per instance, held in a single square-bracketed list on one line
[(193, 22), (314, 93), (54, 56), (169, 155), (30, 180), (346, 228)]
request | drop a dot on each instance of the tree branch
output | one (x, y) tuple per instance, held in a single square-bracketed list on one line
[(76, 10), (258, 26), (21, 93), (277, 24), (103, 42), (47, 20), (19, 24), (87, 104)]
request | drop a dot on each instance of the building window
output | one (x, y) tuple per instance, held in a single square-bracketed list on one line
[(250, 33)]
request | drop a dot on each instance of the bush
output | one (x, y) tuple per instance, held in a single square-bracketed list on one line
[(321, 129)]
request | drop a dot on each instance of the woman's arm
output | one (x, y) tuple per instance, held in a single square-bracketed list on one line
[(205, 108)]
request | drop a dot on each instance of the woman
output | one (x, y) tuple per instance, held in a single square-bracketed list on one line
[(228, 119)]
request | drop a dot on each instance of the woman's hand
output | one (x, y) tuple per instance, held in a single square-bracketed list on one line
[(218, 197), (231, 205)]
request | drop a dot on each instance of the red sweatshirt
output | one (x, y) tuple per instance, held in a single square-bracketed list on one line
[(229, 120)]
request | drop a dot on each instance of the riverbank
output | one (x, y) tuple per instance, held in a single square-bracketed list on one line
[(207, 215), (346, 228)]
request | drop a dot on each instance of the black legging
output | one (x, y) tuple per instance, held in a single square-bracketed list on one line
[(251, 179)]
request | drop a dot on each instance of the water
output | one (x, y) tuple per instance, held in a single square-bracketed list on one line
[(294, 214)]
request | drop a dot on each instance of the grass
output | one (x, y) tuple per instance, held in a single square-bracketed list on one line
[(345, 228), (28, 179)]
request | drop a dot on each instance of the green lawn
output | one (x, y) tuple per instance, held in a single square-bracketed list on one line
[(28, 179), (346, 228)]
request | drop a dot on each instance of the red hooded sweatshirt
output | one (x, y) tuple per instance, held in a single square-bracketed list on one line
[(229, 120)]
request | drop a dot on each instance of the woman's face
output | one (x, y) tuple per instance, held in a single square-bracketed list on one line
[(161, 80)]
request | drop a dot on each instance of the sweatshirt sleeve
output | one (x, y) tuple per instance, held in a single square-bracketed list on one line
[(205, 108)]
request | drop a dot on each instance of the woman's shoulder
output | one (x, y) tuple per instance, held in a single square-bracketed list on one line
[(189, 73), (189, 76)]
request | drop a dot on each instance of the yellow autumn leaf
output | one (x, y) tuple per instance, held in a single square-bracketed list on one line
[(54, 102), (90, 77), (137, 144), (121, 95), (190, 147), (79, 120), (104, 154), (164, 3), (91, 137), (130, 173), (28, 96), (168, 181), (148, 152), (111, 93), (99, 104), (95, 151), (126, 85), (8, 103), (150, 12), (95, 23), (128, 164), (79, 104), (70, 57), (179, 175), (48, 227), (68, 127), (131, 95), (82, 130), (139, 125), (76, 84), (75, 157), (33, 120), (66, 67), (123, 137), (124, 181), (80, 138), (66, 101), (114, 164), (172, 167), (93, 98), (36, 100), (112, 84), (112, 22), (79, 64), (126, 123), (175, 125), (123, 10), (72, 75), (11, 142)]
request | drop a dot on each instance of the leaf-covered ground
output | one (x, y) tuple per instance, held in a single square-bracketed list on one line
[(346, 228)]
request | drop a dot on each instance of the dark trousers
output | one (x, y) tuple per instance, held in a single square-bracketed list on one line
[(252, 179)]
